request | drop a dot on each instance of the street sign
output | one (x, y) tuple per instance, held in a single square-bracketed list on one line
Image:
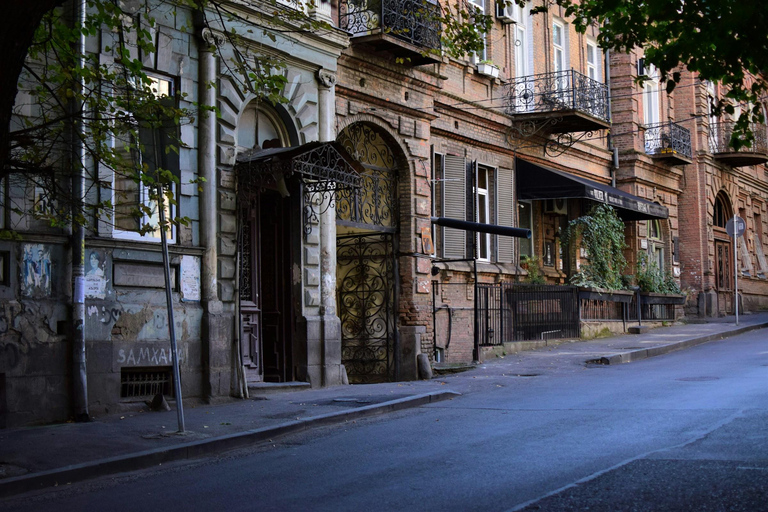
[(735, 225)]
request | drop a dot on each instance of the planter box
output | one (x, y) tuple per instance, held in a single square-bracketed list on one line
[(488, 70), (606, 295), (662, 298)]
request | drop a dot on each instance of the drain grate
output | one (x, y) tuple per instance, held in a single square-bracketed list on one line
[(145, 382)]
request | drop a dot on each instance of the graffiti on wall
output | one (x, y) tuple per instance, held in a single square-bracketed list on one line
[(36, 277), (147, 356), (95, 282)]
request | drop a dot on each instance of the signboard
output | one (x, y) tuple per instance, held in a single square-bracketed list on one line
[(735, 225)]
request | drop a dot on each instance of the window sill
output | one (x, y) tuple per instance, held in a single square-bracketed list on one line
[(482, 267)]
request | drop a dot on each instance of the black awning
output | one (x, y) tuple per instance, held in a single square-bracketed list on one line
[(537, 182), (323, 166)]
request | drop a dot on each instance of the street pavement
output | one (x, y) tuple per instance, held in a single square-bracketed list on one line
[(38, 457)]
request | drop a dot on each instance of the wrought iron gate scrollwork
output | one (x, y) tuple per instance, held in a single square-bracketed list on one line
[(366, 306)]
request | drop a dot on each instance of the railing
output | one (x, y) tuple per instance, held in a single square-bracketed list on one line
[(668, 138), (414, 21), (558, 91), (720, 138)]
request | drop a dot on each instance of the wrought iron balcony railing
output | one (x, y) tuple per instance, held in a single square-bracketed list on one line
[(557, 92), (720, 144), (416, 22), (668, 140)]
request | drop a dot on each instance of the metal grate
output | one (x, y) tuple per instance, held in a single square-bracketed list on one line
[(145, 382)]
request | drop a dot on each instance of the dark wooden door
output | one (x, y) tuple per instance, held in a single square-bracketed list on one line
[(265, 289), (276, 314)]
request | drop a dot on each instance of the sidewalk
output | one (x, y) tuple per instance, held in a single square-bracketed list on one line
[(35, 457)]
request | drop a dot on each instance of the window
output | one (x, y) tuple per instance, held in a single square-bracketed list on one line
[(136, 212), (656, 245), (483, 211), (593, 68), (525, 221), (559, 47), (651, 98), (478, 193), (523, 66), (260, 126), (722, 212)]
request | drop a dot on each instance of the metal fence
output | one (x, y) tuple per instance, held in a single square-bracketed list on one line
[(667, 138), (505, 312), (414, 21)]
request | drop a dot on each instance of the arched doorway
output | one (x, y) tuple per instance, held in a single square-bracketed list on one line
[(367, 225), (265, 224), (723, 254)]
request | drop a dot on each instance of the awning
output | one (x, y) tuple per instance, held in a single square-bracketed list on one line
[(538, 182), (323, 166)]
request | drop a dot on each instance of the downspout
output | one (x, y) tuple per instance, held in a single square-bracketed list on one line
[(79, 370), (611, 148)]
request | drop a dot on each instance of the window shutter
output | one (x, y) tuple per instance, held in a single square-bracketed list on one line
[(676, 250), (505, 213), (472, 250), (454, 206)]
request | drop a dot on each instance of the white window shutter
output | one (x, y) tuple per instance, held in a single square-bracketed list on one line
[(454, 206), (505, 208)]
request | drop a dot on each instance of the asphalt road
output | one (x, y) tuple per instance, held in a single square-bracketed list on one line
[(686, 431)]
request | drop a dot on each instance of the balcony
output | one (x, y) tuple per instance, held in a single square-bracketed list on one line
[(721, 149), (409, 29), (669, 142), (563, 101)]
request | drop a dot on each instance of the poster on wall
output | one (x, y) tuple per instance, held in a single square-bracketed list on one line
[(36, 275), (190, 278), (95, 282)]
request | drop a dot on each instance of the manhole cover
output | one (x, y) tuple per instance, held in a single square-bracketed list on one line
[(631, 348), (526, 375), (10, 470), (698, 379)]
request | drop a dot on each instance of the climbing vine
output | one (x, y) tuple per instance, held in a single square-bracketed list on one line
[(601, 233)]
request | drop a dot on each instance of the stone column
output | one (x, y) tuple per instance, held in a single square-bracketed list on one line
[(332, 371), (214, 337)]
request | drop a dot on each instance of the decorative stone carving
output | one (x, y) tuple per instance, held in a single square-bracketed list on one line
[(326, 78), (212, 38)]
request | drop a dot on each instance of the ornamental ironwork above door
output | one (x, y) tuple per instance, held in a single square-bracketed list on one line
[(374, 204)]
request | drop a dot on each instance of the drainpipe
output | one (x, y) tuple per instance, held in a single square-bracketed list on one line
[(615, 151), (79, 369), (208, 203)]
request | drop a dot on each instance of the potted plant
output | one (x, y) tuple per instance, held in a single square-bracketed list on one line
[(488, 68), (656, 287)]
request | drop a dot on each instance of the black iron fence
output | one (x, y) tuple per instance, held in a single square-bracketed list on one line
[(505, 312), (414, 21), (557, 91), (667, 139)]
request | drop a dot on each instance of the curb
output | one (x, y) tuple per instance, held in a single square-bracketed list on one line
[(638, 355), (149, 458)]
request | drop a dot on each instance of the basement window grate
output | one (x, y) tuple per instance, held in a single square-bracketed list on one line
[(145, 382)]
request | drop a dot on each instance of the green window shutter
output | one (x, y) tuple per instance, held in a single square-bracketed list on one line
[(505, 208), (454, 188)]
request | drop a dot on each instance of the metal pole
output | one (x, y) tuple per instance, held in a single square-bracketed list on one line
[(735, 268), (79, 368), (169, 302)]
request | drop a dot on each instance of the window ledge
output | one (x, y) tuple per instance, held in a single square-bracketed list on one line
[(482, 267)]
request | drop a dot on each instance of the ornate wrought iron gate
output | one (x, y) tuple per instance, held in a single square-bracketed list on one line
[(365, 259), (366, 298)]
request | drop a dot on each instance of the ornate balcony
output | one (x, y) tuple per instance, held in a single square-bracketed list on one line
[(721, 149), (561, 102), (409, 29), (669, 142)]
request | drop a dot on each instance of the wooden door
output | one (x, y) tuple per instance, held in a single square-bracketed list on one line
[(724, 275)]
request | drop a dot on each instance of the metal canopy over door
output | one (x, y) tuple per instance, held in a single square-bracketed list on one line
[(366, 260)]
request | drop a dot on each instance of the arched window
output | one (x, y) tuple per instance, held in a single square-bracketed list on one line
[(722, 211), (260, 125)]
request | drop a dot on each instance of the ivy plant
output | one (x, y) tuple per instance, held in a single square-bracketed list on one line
[(601, 233), (650, 278)]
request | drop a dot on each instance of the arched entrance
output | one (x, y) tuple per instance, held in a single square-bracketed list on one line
[(367, 225), (723, 255)]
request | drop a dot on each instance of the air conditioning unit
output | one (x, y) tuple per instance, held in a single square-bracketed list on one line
[(505, 13), (556, 206)]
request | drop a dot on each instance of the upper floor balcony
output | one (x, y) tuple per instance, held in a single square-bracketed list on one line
[(720, 145), (564, 101), (409, 29), (669, 142)]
